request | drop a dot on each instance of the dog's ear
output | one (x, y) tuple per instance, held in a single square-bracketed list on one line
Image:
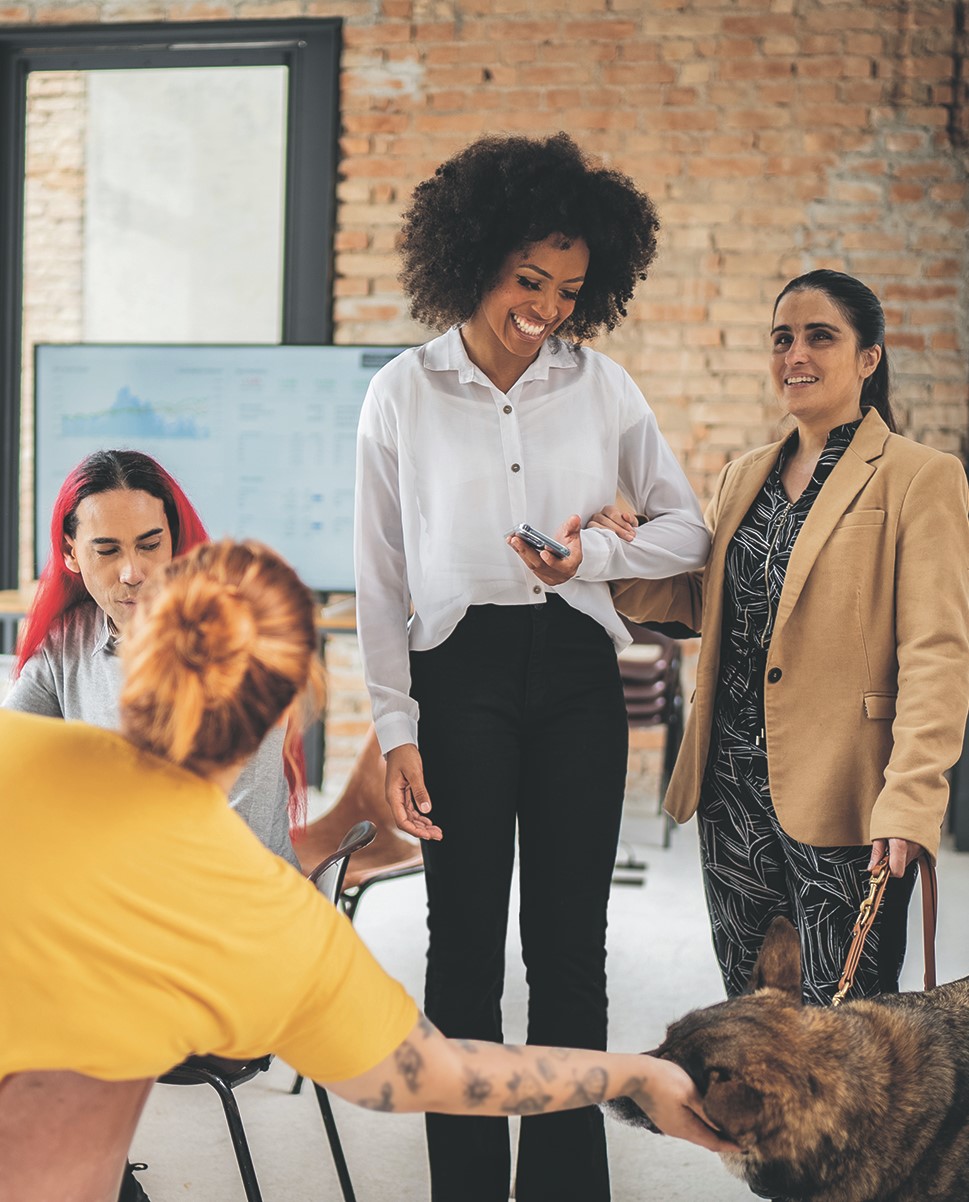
[(779, 963)]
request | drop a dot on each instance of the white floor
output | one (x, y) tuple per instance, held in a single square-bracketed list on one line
[(660, 965)]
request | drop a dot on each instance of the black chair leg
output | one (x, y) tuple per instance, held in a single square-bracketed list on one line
[(237, 1133), (336, 1148)]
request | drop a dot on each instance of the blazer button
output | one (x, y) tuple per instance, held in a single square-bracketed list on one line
[(774, 675)]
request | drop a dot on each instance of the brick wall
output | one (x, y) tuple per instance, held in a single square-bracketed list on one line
[(774, 135)]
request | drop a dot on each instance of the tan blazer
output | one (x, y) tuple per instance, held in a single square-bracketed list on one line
[(867, 681)]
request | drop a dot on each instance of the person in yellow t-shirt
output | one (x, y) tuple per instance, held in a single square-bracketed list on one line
[(143, 921)]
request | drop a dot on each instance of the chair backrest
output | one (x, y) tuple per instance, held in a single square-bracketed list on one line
[(361, 800), (651, 684), (328, 875)]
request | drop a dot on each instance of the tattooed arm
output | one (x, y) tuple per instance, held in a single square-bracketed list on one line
[(462, 1076)]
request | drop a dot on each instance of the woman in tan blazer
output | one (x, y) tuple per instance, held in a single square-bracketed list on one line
[(833, 678)]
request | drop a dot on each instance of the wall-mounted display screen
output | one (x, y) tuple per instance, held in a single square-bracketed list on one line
[(262, 438)]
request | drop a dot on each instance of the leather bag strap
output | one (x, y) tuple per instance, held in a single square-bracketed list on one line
[(866, 920)]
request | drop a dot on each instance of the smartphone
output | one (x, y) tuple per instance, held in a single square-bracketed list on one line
[(538, 540)]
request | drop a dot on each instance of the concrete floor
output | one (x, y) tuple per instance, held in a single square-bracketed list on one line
[(660, 965)]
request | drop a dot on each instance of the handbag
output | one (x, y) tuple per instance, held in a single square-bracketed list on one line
[(866, 919)]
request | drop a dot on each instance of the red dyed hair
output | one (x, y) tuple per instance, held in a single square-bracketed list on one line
[(59, 589)]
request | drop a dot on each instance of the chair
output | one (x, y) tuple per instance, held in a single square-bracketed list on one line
[(226, 1075), (654, 697), (389, 856)]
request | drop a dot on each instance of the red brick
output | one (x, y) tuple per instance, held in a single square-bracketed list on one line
[(434, 31), (638, 50), (827, 18), (944, 193), (907, 338), (613, 30), (623, 73), (757, 118), (748, 69), (922, 292), (820, 43), (756, 27), (904, 193), (683, 119), (376, 37), (66, 14), (942, 267)]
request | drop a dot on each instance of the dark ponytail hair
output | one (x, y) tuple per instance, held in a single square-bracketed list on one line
[(862, 308)]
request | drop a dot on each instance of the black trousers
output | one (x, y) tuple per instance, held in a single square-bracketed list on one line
[(522, 723), (753, 871)]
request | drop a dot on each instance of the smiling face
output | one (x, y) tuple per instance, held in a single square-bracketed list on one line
[(122, 536), (817, 367), (535, 293)]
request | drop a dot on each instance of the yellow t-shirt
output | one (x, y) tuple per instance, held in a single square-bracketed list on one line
[(142, 921)]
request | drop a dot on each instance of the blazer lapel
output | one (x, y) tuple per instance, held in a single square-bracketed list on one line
[(850, 475), (738, 496), (744, 487)]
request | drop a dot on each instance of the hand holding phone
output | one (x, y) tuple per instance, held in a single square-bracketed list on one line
[(538, 540)]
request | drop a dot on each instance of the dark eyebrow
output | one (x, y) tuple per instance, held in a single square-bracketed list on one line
[(578, 279), (140, 539), (811, 325)]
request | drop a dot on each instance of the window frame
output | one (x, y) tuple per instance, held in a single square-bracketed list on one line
[(309, 47)]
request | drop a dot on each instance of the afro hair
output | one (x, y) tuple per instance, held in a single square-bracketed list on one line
[(502, 194)]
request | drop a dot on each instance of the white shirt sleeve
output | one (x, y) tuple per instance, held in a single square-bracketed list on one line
[(380, 566), (675, 539)]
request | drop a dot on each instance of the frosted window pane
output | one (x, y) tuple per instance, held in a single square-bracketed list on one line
[(184, 192)]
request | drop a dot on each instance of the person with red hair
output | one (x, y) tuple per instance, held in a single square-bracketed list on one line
[(118, 517)]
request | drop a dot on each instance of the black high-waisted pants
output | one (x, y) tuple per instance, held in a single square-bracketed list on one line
[(522, 722)]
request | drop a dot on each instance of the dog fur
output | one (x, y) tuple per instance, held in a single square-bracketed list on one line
[(865, 1102)]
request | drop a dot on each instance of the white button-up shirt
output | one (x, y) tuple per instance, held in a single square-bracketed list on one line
[(447, 465)]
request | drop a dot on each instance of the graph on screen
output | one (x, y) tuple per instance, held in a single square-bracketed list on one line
[(262, 438)]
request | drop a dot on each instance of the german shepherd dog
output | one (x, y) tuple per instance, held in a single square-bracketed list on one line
[(866, 1102)]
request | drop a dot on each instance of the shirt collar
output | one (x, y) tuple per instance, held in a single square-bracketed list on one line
[(448, 353), (107, 640), (838, 440)]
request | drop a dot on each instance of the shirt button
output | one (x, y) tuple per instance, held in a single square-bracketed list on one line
[(507, 409), (774, 675), (536, 588), (516, 467)]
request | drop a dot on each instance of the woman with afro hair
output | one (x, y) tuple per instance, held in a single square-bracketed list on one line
[(519, 250)]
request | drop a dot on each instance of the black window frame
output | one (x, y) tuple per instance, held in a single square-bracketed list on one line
[(309, 47)]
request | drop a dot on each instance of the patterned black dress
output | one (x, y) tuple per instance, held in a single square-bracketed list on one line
[(753, 870)]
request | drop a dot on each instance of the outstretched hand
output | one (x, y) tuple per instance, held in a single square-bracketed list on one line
[(406, 793), (673, 1103)]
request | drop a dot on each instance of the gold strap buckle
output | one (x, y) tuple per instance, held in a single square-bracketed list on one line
[(863, 924)]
